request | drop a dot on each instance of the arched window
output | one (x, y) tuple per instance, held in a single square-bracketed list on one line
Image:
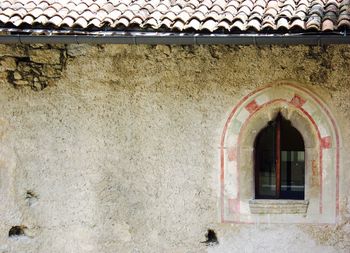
[(280, 154), (279, 161)]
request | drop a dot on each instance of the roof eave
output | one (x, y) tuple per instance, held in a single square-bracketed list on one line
[(153, 38)]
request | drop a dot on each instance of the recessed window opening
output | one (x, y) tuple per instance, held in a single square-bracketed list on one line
[(279, 161)]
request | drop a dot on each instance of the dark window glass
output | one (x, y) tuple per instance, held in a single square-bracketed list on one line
[(279, 161)]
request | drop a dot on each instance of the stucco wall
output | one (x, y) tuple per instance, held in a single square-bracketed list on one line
[(116, 147)]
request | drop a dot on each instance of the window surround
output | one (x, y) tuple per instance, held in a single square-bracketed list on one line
[(246, 149), (312, 118)]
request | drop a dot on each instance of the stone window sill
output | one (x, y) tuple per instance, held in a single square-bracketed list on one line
[(278, 206)]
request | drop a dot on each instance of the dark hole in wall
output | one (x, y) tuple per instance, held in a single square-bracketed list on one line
[(211, 237), (17, 231), (24, 59), (30, 194), (10, 77)]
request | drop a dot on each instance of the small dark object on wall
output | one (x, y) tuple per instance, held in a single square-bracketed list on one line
[(211, 238), (17, 231)]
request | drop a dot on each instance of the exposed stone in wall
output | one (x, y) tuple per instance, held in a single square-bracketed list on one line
[(35, 66)]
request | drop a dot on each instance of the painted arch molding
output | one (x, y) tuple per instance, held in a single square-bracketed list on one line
[(314, 120)]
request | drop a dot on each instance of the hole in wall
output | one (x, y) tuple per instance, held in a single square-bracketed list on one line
[(17, 231), (211, 237)]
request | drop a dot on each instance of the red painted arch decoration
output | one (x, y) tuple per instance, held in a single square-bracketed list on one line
[(234, 207)]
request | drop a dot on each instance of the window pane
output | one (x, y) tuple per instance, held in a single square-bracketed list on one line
[(267, 175), (292, 162), (265, 160), (292, 174)]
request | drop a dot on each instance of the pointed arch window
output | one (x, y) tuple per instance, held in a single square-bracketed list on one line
[(279, 161)]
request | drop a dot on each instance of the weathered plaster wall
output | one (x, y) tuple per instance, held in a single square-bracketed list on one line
[(115, 148)]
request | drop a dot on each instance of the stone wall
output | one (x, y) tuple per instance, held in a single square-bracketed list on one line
[(115, 148), (35, 66)]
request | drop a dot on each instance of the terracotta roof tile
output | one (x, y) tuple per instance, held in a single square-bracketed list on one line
[(282, 23), (255, 24), (269, 23), (178, 25), (238, 24), (42, 19), (165, 23), (224, 24), (151, 22), (248, 4), (210, 25), (297, 24), (136, 21), (313, 22), (198, 15), (193, 24)]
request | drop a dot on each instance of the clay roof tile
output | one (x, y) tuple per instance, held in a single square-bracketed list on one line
[(170, 15), (231, 10), (121, 22), (108, 7), (50, 12), (271, 12), (209, 15), (209, 24), (166, 23), (55, 20), (179, 25), (213, 15), (313, 22), (282, 23), (127, 14), (162, 8), (199, 15), (82, 22), (28, 19), (136, 20), (327, 25), (241, 16), (30, 5), (297, 23), (42, 19), (245, 10), (258, 9), (344, 23), (234, 4), (193, 24), (261, 3), (152, 22), (299, 15), (5, 4), (238, 24), (249, 4), (255, 24), (227, 16), (67, 21), (16, 20), (9, 12), (224, 24), (216, 8)]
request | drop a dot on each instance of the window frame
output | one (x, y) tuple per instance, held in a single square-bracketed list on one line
[(276, 125)]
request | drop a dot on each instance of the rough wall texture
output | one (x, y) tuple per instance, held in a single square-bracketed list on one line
[(115, 148)]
